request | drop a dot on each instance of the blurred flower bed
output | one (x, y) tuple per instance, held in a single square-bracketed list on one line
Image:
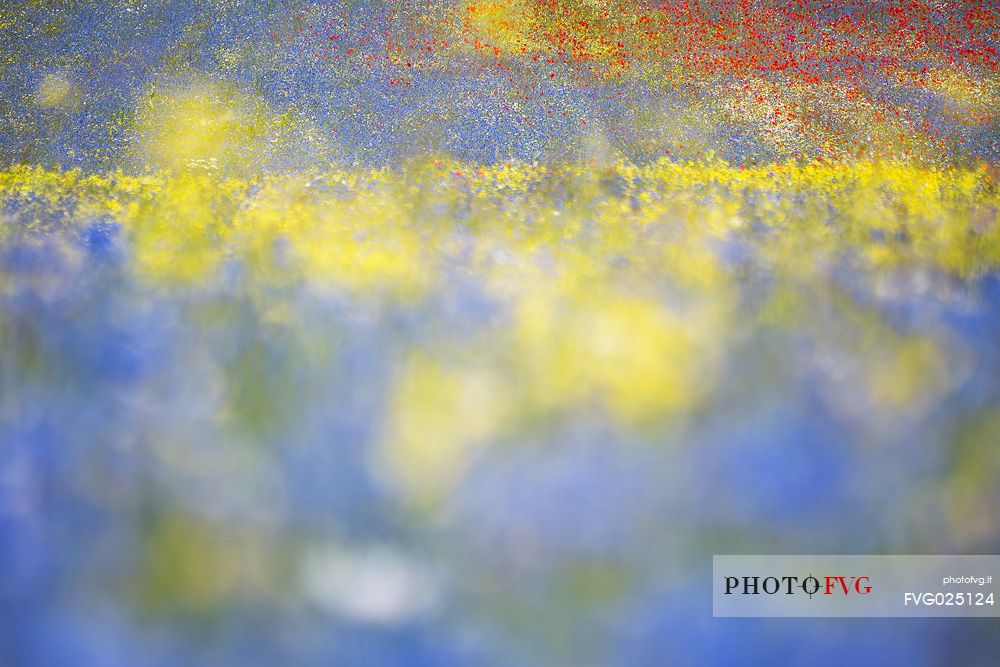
[(465, 333), (452, 414)]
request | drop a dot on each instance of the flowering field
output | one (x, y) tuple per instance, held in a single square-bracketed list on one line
[(455, 333)]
